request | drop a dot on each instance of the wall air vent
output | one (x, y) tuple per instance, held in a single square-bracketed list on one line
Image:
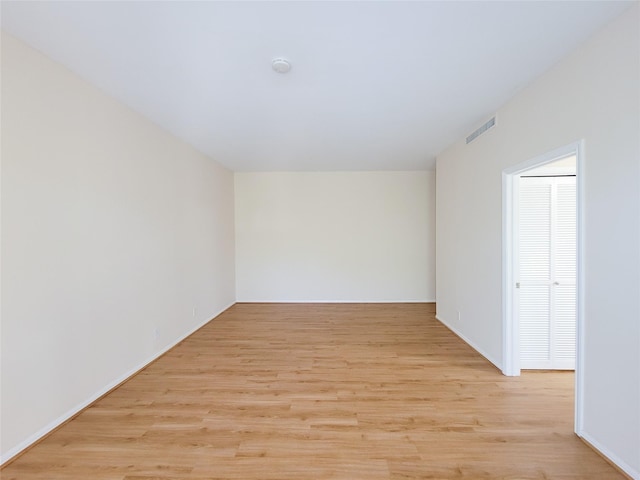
[(481, 130)]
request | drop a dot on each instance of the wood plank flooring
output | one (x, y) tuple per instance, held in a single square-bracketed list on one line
[(355, 391)]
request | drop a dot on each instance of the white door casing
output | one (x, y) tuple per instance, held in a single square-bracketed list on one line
[(511, 328)]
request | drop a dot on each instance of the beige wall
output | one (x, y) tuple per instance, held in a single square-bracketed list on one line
[(594, 95), (113, 232), (338, 236)]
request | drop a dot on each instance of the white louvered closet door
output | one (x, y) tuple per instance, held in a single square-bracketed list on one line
[(546, 272)]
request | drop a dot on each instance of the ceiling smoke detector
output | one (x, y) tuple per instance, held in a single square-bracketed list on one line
[(280, 65)]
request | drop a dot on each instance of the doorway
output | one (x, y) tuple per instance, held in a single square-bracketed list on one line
[(547, 292)]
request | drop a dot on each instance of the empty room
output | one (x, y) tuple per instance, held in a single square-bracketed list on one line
[(278, 240)]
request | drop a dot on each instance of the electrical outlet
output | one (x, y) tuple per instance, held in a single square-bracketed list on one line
[(458, 316), (156, 333), (194, 312)]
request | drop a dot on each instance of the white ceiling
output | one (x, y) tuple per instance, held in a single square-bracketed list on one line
[(374, 85)]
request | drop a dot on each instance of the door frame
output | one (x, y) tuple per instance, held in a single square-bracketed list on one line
[(510, 328)]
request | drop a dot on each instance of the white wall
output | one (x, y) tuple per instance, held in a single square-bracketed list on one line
[(111, 229), (340, 236), (594, 95)]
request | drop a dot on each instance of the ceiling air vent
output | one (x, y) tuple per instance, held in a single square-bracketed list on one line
[(481, 130)]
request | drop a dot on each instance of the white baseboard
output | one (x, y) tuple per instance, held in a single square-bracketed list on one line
[(498, 365), (336, 301), (5, 457), (604, 451)]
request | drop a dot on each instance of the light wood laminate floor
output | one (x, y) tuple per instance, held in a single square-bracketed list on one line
[(351, 391)]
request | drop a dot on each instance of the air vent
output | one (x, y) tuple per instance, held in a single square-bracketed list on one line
[(481, 130)]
